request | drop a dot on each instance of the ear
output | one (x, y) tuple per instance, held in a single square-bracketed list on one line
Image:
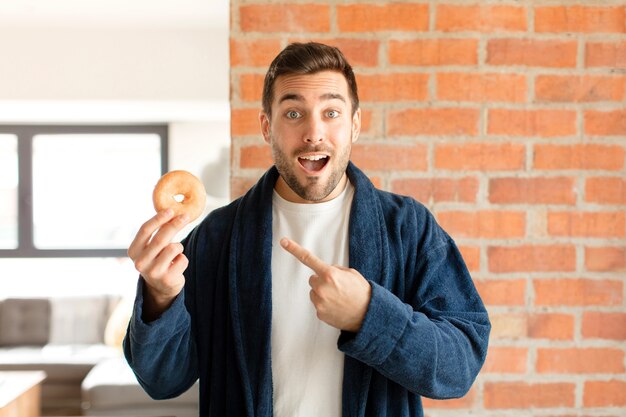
[(264, 121), (356, 125)]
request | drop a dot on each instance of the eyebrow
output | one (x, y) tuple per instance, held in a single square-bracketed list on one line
[(299, 97)]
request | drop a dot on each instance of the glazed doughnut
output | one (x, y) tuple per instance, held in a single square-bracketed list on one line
[(180, 183)]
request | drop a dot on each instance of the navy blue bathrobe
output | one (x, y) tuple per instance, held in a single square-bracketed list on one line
[(425, 332)]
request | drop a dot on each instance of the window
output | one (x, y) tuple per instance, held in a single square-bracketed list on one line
[(8, 191), (76, 191)]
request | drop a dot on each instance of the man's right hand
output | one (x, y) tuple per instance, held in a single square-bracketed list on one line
[(160, 262)]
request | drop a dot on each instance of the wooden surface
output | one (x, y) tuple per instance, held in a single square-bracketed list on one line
[(20, 393)]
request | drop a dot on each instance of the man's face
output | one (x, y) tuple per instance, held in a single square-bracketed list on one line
[(311, 132)]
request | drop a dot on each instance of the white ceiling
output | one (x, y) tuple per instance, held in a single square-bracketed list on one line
[(136, 13)]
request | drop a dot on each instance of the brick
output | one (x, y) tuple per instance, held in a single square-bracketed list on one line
[(506, 360), (366, 121), (540, 190), (552, 326), (579, 156), (471, 256), (244, 122), (605, 259), (605, 54), (358, 52), (509, 326), (579, 19), (605, 190), (504, 292), (532, 52), (489, 87), (463, 190), (377, 181), (444, 121), (587, 224), (433, 52), (600, 325), (255, 156), (568, 415), (251, 87), (481, 18), (272, 18), (542, 123), (577, 292), (579, 88), (610, 393), (480, 156), (385, 17), (253, 52), (466, 401), (393, 87), (390, 157), (527, 258), (491, 224), (605, 123), (580, 361), (240, 185), (522, 395)]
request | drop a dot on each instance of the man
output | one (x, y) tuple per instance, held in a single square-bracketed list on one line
[(314, 294)]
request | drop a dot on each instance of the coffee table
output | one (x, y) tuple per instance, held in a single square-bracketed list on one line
[(20, 393)]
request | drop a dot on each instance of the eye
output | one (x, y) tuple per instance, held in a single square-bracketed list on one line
[(333, 114), (292, 114)]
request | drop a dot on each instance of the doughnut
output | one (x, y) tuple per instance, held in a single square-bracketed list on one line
[(175, 185)]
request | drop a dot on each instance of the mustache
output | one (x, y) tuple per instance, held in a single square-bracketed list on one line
[(313, 149)]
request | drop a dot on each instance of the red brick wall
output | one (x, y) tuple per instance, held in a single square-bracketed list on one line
[(508, 120)]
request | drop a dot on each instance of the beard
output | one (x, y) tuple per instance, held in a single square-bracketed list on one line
[(313, 188)]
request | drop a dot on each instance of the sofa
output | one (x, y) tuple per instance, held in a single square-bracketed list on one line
[(61, 336), (76, 341), (111, 389)]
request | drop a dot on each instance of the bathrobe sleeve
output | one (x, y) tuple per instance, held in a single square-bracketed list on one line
[(162, 353), (431, 337)]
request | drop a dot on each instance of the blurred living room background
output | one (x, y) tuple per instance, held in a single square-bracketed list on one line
[(111, 63), (97, 100)]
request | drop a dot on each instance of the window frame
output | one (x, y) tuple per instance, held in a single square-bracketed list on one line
[(25, 222)]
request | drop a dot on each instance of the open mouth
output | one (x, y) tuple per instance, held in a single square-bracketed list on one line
[(313, 163)]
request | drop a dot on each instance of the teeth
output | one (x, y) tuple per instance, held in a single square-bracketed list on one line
[(314, 157)]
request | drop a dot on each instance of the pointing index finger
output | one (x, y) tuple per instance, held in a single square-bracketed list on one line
[(304, 256)]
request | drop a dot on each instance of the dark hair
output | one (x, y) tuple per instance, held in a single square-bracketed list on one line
[(308, 58)]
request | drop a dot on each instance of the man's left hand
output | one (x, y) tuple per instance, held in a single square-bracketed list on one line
[(340, 295)]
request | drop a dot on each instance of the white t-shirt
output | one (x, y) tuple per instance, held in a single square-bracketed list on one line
[(307, 366)]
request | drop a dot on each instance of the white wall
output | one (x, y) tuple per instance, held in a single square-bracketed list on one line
[(84, 74), (168, 64)]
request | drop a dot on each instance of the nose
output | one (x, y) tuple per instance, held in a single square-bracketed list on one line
[(315, 131)]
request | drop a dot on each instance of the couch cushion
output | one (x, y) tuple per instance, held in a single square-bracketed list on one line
[(24, 321), (57, 354), (65, 368), (65, 363), (112, 384), (115, 329), (79, 320)]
